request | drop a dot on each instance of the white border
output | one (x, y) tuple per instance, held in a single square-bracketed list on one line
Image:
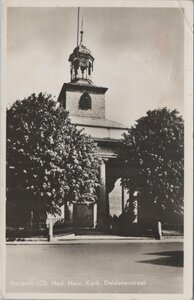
[(187, 9), (2, 150), (188, 151)]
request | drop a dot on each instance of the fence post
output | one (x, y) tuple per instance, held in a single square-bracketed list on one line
[(159, 231), (50, 235)]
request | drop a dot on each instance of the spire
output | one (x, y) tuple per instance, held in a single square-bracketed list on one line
[(78, 26), (81, 32), (81, 59)]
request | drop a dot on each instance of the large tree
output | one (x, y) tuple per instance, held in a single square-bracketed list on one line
[(49, 161), (153, 151)]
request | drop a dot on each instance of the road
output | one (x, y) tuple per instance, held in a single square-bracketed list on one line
[(95, 268)]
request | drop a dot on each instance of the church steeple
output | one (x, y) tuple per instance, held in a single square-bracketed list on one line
[(81, 61), (81, 33), (80, 96)]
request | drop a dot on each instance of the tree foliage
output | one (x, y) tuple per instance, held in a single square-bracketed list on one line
[(153, 150), (49, 161)]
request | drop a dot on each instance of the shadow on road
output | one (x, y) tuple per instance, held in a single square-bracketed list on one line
[(169, 258)]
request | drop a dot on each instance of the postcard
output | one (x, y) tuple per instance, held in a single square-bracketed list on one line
[(96, 149)]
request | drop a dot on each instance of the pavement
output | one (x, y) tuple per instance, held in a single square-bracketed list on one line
[(81, 239)]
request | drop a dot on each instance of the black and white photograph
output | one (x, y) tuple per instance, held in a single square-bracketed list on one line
[(96, 149)]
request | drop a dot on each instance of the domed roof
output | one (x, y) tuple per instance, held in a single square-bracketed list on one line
[(81, 49)]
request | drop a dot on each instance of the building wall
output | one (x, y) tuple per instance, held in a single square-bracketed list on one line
[(98, 105), (115, 199), (99, 132)]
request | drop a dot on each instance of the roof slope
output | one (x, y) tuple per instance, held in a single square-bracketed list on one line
[(96, 122)]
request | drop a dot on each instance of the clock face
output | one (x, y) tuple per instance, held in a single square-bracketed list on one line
[(85, 102)]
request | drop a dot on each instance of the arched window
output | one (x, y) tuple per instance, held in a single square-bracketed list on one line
[(85, 102)]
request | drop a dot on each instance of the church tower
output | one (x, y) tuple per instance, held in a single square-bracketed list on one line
[(86, 105), (80, 96)]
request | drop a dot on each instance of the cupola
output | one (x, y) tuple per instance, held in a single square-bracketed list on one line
[(81, 63)]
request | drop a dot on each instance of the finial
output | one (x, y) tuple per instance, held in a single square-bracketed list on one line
[(78, 26), (81, 32)]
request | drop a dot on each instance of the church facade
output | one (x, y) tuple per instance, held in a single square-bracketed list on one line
[(87, 109)]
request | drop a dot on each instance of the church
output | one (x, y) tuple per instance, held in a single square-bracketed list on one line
[(86, 104)]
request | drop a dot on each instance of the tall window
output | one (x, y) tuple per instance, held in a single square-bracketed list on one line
[(85, 102)]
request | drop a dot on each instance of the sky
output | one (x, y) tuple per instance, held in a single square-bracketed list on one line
[(139, 55)]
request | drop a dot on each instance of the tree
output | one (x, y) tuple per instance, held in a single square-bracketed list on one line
[(153, 151), (49, 161)]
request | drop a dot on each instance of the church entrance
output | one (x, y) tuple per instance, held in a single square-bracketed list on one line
[(112, 195), (111, 201), (84, 216)]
